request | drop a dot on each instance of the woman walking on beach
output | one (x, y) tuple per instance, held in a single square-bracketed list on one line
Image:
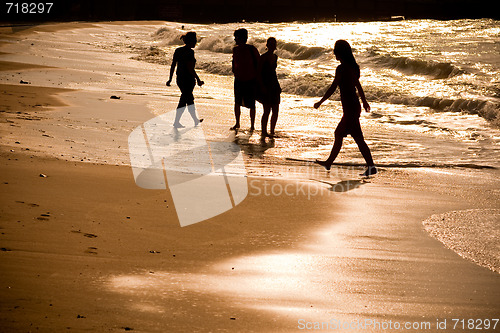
[(269, 86), (186, 77), (347, 79)]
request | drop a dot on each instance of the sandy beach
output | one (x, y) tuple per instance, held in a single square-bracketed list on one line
[(84, 249)]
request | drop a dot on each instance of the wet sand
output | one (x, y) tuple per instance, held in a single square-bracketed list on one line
[(85, 249)]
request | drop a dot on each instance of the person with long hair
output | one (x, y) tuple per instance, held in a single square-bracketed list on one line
[(270, 89), (347, 79), (186, 77)]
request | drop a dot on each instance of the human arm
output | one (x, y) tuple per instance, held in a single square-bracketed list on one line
[(232, 62), (193, 73), (260, 65), (361, 93), (328, 93), (172, 68)]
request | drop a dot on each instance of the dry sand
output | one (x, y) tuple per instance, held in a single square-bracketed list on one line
[(85, 249)]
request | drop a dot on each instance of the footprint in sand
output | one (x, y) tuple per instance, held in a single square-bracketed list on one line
[(29, 204), (44, 217), (91, 250), (84, 234)]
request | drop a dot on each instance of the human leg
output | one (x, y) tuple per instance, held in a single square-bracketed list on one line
[(365, 151), (237, 113), (274, 117), (192, 111), (340, 133), (187, 98), (265, 118), (337, 145), (238, 101), (252, 118), (178, 115)]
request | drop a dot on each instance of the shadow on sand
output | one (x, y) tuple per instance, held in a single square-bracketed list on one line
[(344, 185)]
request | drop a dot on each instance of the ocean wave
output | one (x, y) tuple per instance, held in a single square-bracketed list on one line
[(307, 85), (225, 44), (407, 65), (152, 54), (486, 109), (291, 50), (316, 86), (218, 44), (296, 51), (217, 68), (168, 36)]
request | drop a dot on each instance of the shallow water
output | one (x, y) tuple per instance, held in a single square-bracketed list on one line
[(433, 86)]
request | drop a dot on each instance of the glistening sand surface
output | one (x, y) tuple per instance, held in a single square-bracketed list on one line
[(85, 249)]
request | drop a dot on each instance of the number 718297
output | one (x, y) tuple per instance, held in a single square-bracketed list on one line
[(475, 324), (29, 8)]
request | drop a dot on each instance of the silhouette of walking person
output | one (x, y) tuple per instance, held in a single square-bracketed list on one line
[(186, 77), (270, 89), (347, 79), (244, 67)]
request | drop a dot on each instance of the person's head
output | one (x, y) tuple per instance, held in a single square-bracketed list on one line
[(343, 52), (241, 36), (189, 39), (271, 44)]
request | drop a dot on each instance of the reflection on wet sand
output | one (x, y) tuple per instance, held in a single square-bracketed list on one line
[(373, 261)]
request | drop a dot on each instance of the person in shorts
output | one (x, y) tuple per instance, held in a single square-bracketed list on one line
[(244, 67), (186, 77)]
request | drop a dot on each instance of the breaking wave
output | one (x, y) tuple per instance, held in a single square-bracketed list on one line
[(219, 44), (225, 44), (410, 66), (486, 109), (217, 68), (152, 54), (315, 86), (296, 51), (307, 85), (168, 36)]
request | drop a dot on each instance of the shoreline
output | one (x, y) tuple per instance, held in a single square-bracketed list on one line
[(93, 251)]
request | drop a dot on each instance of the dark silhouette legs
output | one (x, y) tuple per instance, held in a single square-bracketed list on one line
[(363, 148), (186, 99), (367, 155), (337, 144), (264, 120), (237, 114), (365, 151), (192, 111), (252, 118), (265, 117), (274, 118)]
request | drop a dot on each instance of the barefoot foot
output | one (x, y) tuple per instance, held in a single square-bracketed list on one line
[(370, 171), (324, 164)]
